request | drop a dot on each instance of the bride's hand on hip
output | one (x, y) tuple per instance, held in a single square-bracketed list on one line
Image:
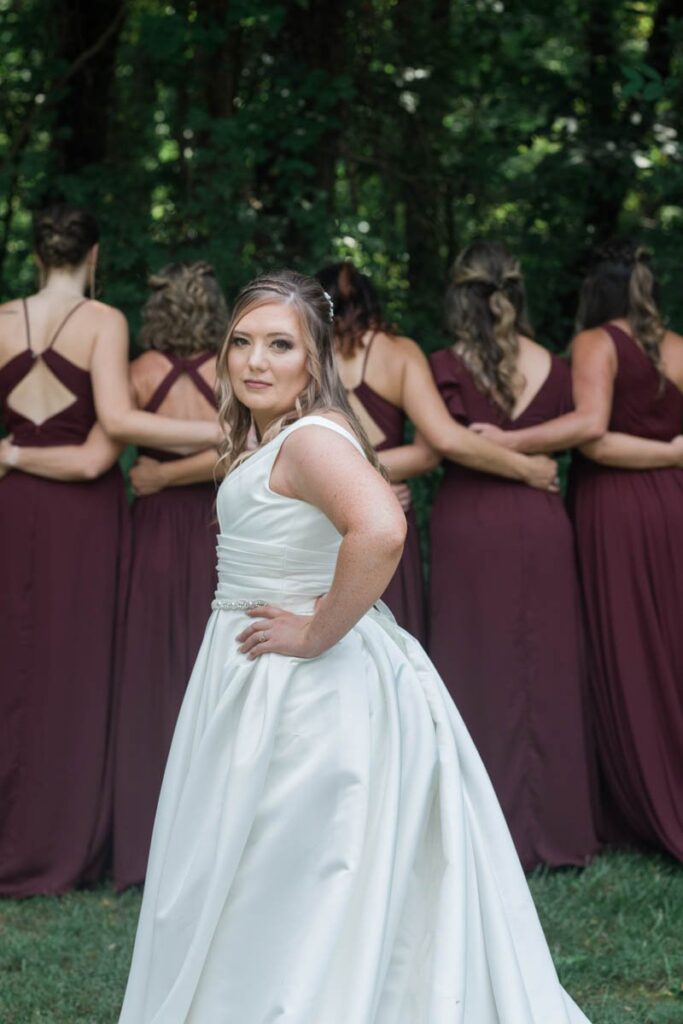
[(278, 632)]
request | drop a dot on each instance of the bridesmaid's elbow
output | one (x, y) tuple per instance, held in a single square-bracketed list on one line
[(592, 428), (117, 429)]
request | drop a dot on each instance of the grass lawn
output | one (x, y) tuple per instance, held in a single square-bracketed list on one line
[(615, 932)]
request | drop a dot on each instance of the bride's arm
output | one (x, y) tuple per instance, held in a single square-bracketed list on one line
[(325, 470)]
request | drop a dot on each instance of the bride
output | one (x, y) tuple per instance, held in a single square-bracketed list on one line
[(327, 848)]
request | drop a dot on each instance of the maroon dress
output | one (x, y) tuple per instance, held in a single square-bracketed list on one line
[(63, 549), (505, 629), (173, 580), (629, 528), (405, 594)]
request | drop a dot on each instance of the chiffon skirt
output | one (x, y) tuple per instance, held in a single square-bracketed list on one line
[(328, 849)]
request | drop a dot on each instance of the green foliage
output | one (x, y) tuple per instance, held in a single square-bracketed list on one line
[(613, 930), (265, 133)]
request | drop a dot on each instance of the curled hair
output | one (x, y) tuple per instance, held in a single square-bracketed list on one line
[(357, 308), (486, 313), (186, 311), (63, 235), (324, 391), (620, 285)]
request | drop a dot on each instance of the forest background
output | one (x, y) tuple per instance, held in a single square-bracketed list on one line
[(255, 133)]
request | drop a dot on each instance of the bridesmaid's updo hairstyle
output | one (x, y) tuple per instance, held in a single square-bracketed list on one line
[(620, 285), (64, 235), (186, 311), (324, 391), (357, 308), (486, 313)]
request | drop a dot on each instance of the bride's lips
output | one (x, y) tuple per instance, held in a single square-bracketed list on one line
[(256, 385)]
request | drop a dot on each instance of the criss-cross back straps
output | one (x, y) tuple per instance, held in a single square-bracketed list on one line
[(50, 344), (179, 367)]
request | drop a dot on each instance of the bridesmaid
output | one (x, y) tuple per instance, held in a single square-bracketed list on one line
[(628, 511), (505, 621), (173, 574), (63, 546), (373, 386), (626, 493)]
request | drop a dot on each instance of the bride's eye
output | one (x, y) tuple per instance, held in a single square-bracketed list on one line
[(282, 344), (239, 342)]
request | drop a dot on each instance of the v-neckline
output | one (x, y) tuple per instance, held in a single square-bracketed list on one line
[(513, 420)]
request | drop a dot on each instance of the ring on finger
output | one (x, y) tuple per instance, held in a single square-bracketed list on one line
[(263, 638)]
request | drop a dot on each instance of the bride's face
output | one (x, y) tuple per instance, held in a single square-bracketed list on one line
[(267, 361)]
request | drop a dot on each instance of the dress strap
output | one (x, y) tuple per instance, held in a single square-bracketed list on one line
[(180, 366), (321, 421), (28, 326), (365, 358), (64, 321)]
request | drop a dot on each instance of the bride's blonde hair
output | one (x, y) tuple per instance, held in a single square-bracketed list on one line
[(324, 391)]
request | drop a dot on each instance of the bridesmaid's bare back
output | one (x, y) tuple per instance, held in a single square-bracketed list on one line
[(66, 324), (184, 401)]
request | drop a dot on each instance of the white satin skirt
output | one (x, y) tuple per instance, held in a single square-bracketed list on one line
[(328, 849)]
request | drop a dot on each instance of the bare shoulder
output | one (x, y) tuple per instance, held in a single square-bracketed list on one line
[(150, 364), (106, 317), (11, 307), (407, 350), (316, 441), (591, 341), (10, 317), (672, 357), (673, 341)]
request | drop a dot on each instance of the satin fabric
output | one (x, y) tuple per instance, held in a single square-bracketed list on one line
[(327, 848)]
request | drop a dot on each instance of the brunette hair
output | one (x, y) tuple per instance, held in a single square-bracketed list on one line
[(324, 391), (186, 311), (486, 313), (357, 307), (620, 285), (63, 235)]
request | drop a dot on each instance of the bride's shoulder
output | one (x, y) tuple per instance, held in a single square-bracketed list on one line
[(322, 430)]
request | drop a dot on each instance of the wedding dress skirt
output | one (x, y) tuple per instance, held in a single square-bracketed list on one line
[(328, 848)]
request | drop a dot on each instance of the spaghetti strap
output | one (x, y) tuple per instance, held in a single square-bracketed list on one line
[(63, 323), (365, 359), (28, 326)]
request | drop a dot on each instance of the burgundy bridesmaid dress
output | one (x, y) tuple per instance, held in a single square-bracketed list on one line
[(629, 528), (505, 629), (405, 594), (172, 583), (63, 549)]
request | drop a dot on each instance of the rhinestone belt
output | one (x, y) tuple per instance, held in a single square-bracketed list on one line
[(224, 605)]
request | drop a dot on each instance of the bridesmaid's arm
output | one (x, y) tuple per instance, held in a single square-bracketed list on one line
[(113, 400), (425, 407), (624, 451), (409, 460), (594, 366), (86, 461), (149, 476), (325, 470)]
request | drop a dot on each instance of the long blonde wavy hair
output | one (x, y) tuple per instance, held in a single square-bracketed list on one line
[(486, 314), (324, 391)]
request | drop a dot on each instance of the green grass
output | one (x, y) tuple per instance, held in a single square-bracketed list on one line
[(615, 931)]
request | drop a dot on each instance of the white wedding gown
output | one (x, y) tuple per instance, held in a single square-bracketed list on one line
[(327, 848)]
